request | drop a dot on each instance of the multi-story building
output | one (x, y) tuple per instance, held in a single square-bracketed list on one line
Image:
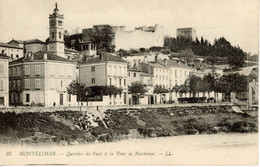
[(10, 50), (41, 78), (4, 87), (106, 70), (189, 33)]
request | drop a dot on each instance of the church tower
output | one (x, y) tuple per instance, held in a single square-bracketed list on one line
[(56, 37)]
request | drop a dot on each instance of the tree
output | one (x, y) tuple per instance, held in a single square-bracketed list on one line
[(236, 58), (80, 90), (165, 51), (159, 90), (112, 90), (102, 37), (137, 89), (231, 83), (193, 83), (106, 90)]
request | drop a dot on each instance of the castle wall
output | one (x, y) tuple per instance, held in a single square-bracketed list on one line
[(138, 39)]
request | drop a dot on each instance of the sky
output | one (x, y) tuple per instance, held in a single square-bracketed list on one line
[(236, 20)]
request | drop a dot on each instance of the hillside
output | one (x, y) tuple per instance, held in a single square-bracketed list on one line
[(74, 127)]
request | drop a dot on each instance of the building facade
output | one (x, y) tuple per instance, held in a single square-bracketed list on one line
[(12, 51), (4, 87), (41, 79), (189, 33), (106, 70)]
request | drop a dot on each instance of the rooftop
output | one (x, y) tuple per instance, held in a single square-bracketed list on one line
[(34, 41), (39, 56), (3, 56), (18, 41), (9, 45), (106, 57)]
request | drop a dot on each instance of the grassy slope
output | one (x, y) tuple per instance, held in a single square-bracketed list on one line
[(62, 127)]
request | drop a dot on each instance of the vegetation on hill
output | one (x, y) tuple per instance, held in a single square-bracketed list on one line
[(221, 48), (72, 127)]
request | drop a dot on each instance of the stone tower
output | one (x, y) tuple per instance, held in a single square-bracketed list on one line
[(56, 37)]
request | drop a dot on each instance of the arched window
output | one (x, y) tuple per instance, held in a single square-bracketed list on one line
[(3, 51)]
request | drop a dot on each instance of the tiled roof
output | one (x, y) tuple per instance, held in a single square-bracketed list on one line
[(32, 41), (106, 57), (146, 74), (39, 56), (9, 45), (133, 69), (3, 56), (18, 41), (155, 64), (173, 63)]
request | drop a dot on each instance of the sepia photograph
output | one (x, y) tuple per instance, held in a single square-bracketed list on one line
[(134, 82)]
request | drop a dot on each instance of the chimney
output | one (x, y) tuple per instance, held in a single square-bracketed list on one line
[(45, 56)]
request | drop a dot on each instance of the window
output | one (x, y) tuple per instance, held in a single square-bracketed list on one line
[(176, 82), (18, 84), (125, 82), (14, 72), (115, 70), (110, 81), (27, 97), (110, 70), (52, 83), (129, 74), (124, 71), (52, 70), (60, 35), (12, 56), (9, 71), (120, 81), (14, 85), (61, 70), (52, 34), (69, 97), (17, 56), (134, 74), (18, 71), (93, 80), (27, 70), (1, 85), (92, 68), (1, 69), (37, 83), (61, 83), (37, 70), (10, 85), (27, 83)]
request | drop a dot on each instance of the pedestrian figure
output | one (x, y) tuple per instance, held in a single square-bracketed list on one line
[(54, 104), (32, 103)]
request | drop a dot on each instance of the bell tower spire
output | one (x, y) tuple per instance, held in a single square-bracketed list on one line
[(56, 33)]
